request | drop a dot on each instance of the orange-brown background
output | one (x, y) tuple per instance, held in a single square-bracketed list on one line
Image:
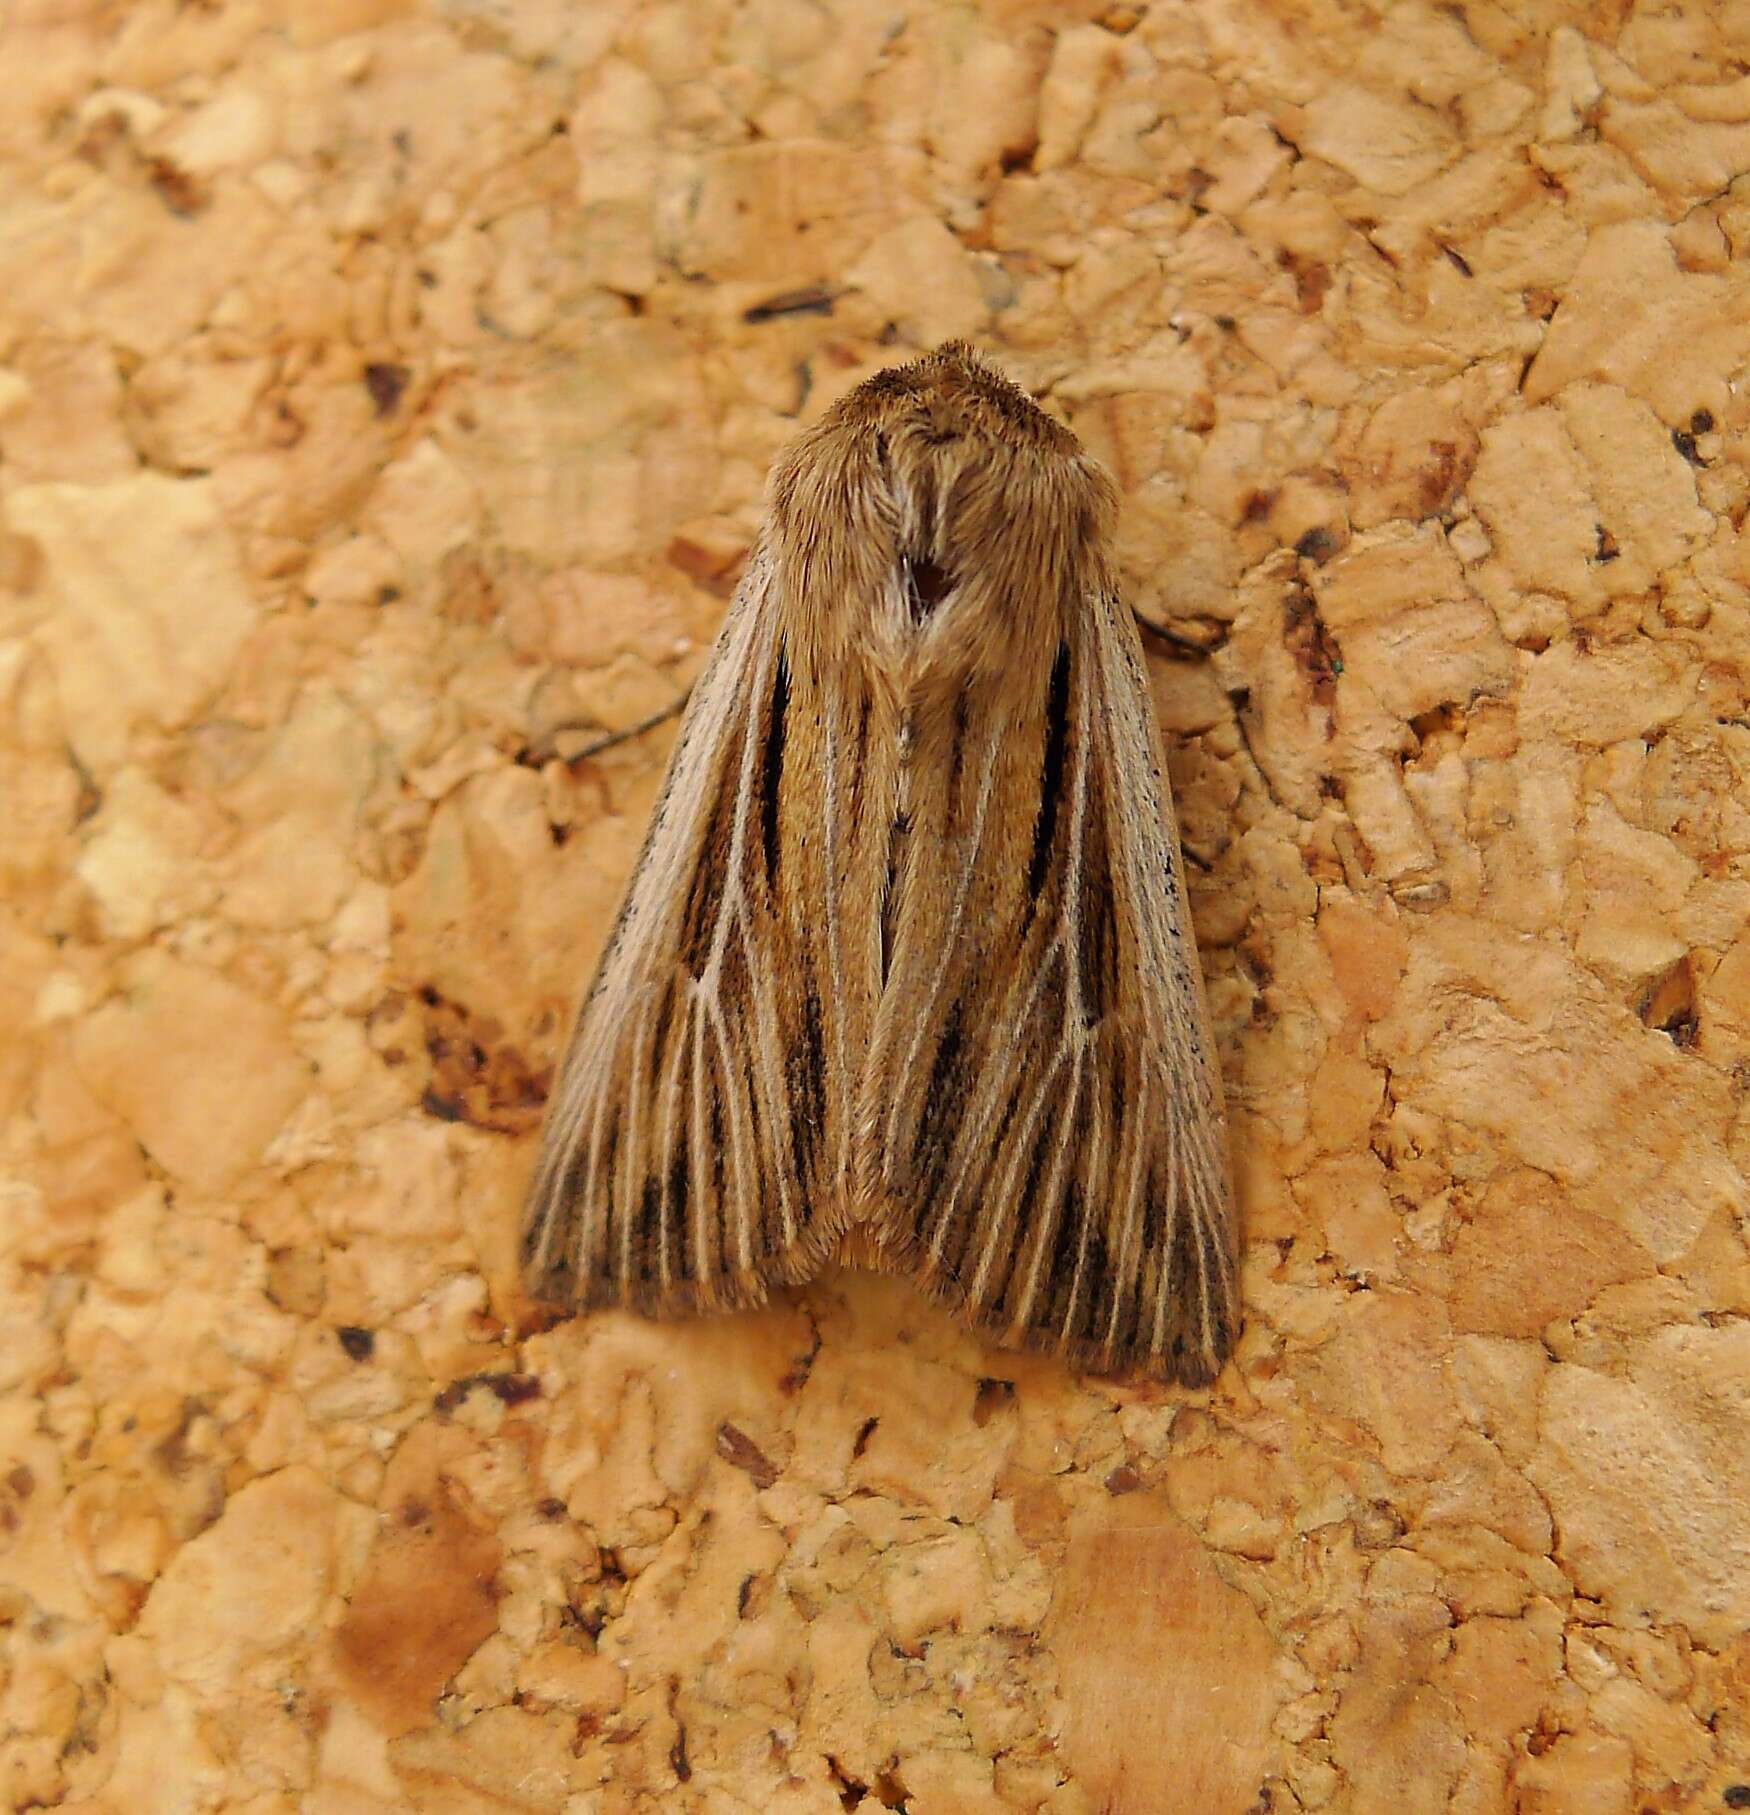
[(379, 399)]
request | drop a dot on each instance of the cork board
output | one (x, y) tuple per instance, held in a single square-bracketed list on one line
[(385, 396)]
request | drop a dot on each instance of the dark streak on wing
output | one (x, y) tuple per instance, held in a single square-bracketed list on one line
[(1051, 770), (772, 769), (610, 1143), (698, 927), (675, 1202), (959, 1234), (659, 1038), (812, 1095), (807, 1080), (956, 763), (1097, 948), (1154, 1217), (1183, 1298), (648, 1203), (1026, 1216), (898, 836), (859, 762), (1099, 1286), (719, 1169), (943, 1095), (1065, 1239)]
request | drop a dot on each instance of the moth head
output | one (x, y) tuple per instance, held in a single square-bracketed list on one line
[(944, 507)]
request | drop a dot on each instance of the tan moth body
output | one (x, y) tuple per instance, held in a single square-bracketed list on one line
[(905, 971)]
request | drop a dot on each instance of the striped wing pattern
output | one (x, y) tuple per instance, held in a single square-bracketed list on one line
[(905, 971), (1038, 1128), (1049, 1155), (698, 1125)]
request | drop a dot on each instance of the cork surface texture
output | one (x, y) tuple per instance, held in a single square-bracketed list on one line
[(385, 397)]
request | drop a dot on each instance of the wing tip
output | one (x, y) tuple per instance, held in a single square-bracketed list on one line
[(556, 1284), (685, 1298), (1191, 1365)]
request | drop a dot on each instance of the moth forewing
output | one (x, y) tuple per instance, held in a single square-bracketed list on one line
[(905, 969), (685, 1140)]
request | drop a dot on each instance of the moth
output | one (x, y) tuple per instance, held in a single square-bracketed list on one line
[(905, 974)]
